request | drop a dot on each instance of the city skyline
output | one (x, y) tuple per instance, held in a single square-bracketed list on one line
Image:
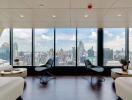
[(82, 54), (65, 44)]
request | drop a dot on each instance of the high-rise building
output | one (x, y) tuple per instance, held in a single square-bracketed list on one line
[(73, 54), (91, 52), (108, 54), (5, 52), (15, 50), (80, 50)]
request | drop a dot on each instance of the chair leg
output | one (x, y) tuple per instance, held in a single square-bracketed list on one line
[(44, 79), (91, 79), (101, 79), (52, 75)]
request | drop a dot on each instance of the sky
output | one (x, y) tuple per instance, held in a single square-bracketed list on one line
[(114, 38), (65, 38)]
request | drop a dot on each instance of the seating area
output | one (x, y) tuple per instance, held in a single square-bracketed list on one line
[(65, 49)]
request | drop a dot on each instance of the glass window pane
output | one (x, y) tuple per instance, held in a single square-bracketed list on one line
[(65, 47), (114, 46), (130, 47), (87, 45), (4, 46), (22, 46), (44, 45)]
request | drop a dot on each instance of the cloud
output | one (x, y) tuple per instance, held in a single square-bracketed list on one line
[(93, 35), (66, 37), (4, 37), (117, 44), (46, 37), (40, 31), (109, 34), (24, 34)]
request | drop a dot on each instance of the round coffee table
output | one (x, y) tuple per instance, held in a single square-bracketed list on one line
[(15, 72), (117, 72)]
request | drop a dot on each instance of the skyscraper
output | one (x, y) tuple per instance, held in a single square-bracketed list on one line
[(5, 51), (73, 53), (91, 52), (80, 50), (15, 50)]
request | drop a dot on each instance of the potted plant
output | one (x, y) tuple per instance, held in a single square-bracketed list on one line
[(125, 64), (16, 61)]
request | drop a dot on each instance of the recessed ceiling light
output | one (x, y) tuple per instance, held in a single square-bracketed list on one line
[(119, 15), (86, 16), (53, 16), (21, 16), (41, 5)]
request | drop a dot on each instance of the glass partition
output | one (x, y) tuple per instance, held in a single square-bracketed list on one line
[(22, 46), (130, 47), (114, 46), (44, 45), (4, 46), (65, 47), (87, 45)]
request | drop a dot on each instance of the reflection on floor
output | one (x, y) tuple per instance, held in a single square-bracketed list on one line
[(69, 88)]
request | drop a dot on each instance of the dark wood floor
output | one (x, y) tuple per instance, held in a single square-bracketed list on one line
[(69, 88)]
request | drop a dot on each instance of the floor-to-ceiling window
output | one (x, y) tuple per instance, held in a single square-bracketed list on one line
[(22, 46), (65, 43), (130, 46), (86, 45), (114, 46), (4, 46), (65, 47), (44, 45)]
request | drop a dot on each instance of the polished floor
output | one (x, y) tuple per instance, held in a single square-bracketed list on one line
[(69, 88)]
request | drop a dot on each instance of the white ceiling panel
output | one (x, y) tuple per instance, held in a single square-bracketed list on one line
[(15, 14), (95, 3), (15, 4), (69, 13), (123, 4), (95, 14), (46, 15), (50, 3)]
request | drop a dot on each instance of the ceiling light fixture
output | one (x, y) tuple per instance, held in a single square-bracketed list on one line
[(21, 16), (41, 5), (86, 16), (119, 15), (53, 16)]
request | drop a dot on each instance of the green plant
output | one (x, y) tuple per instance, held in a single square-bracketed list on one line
[(124, 62)]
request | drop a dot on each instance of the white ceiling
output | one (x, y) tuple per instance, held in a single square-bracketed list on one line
[(69, 13)]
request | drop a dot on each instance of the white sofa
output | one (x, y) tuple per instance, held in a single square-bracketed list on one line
[(11, 88), (123, 87)]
